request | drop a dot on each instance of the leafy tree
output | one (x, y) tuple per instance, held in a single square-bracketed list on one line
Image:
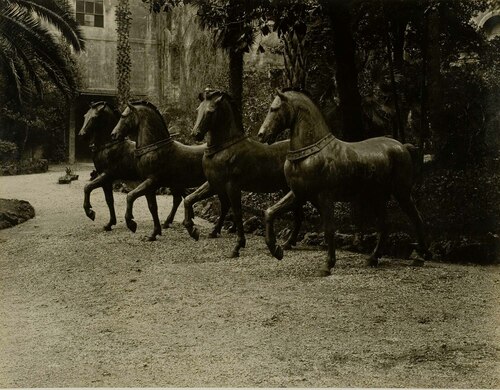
[(233, 25), (29, 52)]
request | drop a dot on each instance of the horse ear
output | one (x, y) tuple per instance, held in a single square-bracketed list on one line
[(282, 96), (218, 99), (131, 106)]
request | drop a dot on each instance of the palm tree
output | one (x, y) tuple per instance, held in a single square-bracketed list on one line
[(30, 52)]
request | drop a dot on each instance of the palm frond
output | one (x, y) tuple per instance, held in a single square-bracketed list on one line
[(59, 15)]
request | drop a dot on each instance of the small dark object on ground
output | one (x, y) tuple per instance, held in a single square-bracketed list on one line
[(14, 211), (68, 177)]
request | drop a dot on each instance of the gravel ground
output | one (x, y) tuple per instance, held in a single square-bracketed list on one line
[(82, 307)]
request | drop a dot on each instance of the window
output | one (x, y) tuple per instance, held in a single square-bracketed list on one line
[(90, 13)]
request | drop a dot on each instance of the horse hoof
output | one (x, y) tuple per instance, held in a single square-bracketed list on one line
[(91, 214), (165, 225), (234, 254), (418, 263), (372, 262), (195, 233), (132, 225), (278, 252), (213, 235), (323, 272), (107, 228), (150, 238)]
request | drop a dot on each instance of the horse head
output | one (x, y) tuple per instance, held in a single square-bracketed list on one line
[(277, 119), (207, 118), (128, 123), (100, 116)]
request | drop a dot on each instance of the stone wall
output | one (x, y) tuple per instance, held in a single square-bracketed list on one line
[(98, 61)]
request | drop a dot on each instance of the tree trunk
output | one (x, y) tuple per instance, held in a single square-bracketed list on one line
[(236, 81), (123, 62), (434, 89), (346, 74), (398, 131)]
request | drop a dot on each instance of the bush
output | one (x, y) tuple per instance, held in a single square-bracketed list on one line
[(8, 151)]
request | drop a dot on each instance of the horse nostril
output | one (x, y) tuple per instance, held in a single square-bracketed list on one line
[(260, 135)]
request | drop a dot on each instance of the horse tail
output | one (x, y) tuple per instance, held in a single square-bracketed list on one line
[(417, 161)]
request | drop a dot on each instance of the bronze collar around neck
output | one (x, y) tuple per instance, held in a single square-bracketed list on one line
[(309, 150), (94, 148), (211, 150), (152, 147)]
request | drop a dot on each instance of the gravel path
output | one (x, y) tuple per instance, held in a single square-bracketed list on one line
[(82, 307)]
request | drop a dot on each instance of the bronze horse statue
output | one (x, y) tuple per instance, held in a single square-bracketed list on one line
[(112, 159), (161, 161), (323, 170), (233, 163)]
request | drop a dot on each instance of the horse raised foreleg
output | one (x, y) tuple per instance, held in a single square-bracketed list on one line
[(381, 215), (153, 209), (326, 207), (234, 195), (142, 189), (108, 194), (203, 192), (177, 199), (408, 206), (224, 208), (89, 187), (288, 202), (297, 222)]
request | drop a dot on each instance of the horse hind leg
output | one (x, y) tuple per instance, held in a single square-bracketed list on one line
[(327, 210), (297, 223), (288, 202), (142, 189), (408, 205), (224, 208), (177, 199), (381, 215), (203, 192), (234, 195), (108, 194), (153, 209)]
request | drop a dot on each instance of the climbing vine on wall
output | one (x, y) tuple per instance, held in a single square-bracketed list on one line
[(123, 62)]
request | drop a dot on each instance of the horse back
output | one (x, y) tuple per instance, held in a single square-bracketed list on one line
[(175, 165), (250, 165), (351, 169)]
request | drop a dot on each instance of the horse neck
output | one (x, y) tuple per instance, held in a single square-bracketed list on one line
[(225, 128), (152, 128), (106, 123), (308, 126)]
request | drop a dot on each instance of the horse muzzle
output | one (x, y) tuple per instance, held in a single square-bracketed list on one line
[(265, 138), (198, 135)]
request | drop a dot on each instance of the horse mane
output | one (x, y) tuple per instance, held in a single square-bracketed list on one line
[(209, 93), (298, 89), (152, 106), (102, 102)]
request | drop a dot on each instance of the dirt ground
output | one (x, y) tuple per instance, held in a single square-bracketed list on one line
[(81, 307)]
